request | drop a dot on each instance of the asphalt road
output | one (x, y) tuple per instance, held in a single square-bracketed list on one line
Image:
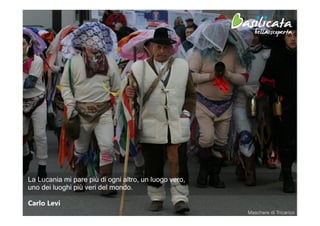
[(49, 199)]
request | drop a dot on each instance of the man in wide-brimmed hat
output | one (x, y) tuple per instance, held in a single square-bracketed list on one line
[(165, 116), (88, 81)]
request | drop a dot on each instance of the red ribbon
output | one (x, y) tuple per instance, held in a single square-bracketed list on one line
[(268, 80), (222, 84), (246, 75), (265, 80)]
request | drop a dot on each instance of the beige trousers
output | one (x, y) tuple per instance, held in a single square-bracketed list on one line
[(103, 130), (213, 129), (39, 122)]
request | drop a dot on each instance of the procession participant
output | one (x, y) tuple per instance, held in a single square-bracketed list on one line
[(279, 81), (216, 69), (165, 119), (83, 82), (246, 115), (34, 103)]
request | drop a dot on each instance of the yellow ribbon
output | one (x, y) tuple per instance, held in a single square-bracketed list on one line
[(115, 94), (59, 87)]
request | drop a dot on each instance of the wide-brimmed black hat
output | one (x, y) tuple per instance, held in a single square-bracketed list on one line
[(163, 35)]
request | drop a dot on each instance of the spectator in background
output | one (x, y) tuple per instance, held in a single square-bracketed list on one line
[(106, 13), (179, 28), (279, 81), (124, 31), (190, 22), (115, 20), (186, 45)]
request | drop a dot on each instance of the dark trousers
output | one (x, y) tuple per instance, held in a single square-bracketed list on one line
[(155, 156)]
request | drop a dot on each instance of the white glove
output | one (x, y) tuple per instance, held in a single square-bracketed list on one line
[(249, 90)]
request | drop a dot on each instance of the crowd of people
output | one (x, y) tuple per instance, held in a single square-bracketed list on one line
[(223, 89)]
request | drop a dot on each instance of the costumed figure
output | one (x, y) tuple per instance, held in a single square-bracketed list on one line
[(218, 63), (34, 101), (56, 63), (246, 114), (89, 79)]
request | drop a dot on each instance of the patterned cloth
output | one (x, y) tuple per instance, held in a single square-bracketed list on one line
[(92, 35), (97, 66), (216, 107), (92, 111), (30, 104), (37, 42)]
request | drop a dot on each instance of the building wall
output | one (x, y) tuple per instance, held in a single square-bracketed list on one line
[(68, 18), (44, 18), (37, 17)]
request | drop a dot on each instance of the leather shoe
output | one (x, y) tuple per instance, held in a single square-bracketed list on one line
[(26, 162), (155, 206), (181, 207)]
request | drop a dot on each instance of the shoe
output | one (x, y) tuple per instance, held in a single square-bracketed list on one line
[(288, 185), (214, 172), (202, 179), (181, 207), (81, 173), (240, 173), (250, 168), (156, 206), (105, 173), (214, 181), (108, 193), (26, 162), (42, 173)]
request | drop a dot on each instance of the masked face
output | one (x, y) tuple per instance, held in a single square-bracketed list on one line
[(93, 54)]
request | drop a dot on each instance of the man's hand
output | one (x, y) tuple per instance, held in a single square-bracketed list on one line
[(219, 69), (71, 112), (249, 91), (185, 114), (130, 91)]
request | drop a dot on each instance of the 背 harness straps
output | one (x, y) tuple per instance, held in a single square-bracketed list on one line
[(156, 81), (70, 78)]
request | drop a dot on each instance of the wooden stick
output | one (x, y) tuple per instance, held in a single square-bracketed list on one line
[(125, 172)]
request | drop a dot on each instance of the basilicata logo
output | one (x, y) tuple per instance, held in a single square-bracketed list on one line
[(261, 25), (260, 21), (237, 20)]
